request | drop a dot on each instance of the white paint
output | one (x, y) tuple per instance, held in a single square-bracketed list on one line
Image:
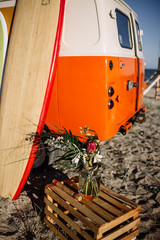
[(5, 36), (151, 85), (139, 53), (126, 5), (81, 25), (5, 4), (90, 28)]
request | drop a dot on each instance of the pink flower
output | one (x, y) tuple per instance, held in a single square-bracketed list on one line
[(91, 147)]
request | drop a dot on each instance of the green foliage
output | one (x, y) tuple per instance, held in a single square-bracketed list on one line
[(153, 189), (77, 151)]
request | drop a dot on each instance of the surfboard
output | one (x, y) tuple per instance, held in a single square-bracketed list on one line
[(27, 85), (6, 14)]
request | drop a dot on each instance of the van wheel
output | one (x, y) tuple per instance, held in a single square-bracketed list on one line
[(141, 118), (40, 156)]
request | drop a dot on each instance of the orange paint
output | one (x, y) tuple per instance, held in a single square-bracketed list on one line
[(8, 15), (80, 94), (141, 83)]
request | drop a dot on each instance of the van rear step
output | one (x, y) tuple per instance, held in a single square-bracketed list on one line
[(125, 128), (138, 117)]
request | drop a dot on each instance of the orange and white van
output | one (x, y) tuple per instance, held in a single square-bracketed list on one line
[(6, 15), (100, 73)]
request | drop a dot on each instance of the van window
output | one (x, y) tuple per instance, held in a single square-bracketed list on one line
[(138, 36), (124, 31)]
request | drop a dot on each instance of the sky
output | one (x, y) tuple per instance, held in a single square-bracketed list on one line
[(148, 12)]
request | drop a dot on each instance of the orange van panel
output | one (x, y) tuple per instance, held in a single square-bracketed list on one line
[(80, 94), (8, 14), (141, 83), (125, 107)]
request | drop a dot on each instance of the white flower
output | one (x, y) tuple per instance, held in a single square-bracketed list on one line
[(57, 146), (50, 143), (76, 159), (84, 157), (83, 149), (60, 138), (97, 158)]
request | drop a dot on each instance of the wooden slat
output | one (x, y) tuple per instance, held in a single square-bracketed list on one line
[(119, 220), (102, 194), (88, 213), (114, 202), (51, 200), (77, 214), (71, 182), (108, 207), (151, 85), (130, 235), (151, 77), (122, 230), (54, 229), (67, 189), (118, 196), (106, 197), (100, 211), (74, 179), (69, 221), (61, 225)]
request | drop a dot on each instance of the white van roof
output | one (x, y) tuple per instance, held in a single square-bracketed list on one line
[(127, 6), (90, 28)]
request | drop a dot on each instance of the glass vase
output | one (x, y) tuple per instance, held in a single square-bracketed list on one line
[(89, 185)]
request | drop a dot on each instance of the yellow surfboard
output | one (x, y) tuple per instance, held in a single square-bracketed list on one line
[(27, 84), (6, 14)]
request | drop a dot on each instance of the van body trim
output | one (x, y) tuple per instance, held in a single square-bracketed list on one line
[(5, 4), (136, 55)]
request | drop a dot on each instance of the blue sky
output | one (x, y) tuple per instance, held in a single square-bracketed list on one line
[(148, 12)]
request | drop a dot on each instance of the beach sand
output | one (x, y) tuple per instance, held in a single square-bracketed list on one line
[(132, 169)]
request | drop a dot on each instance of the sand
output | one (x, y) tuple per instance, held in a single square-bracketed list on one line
[(132, 169)]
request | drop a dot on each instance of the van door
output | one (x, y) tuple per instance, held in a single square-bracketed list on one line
[(140, 62), (127, 80)]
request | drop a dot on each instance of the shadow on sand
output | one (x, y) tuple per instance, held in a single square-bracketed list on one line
[(37, 181)]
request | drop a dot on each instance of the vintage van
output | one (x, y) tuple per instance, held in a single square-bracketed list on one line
[(100, 72), (6, 15)]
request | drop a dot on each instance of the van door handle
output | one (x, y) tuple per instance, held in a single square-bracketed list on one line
[(131, 85), (135, 84), (121, 64)]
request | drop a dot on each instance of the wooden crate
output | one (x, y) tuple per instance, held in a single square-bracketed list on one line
[(111, 216)]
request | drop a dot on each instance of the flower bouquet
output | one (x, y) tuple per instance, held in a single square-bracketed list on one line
[(81, 153)]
